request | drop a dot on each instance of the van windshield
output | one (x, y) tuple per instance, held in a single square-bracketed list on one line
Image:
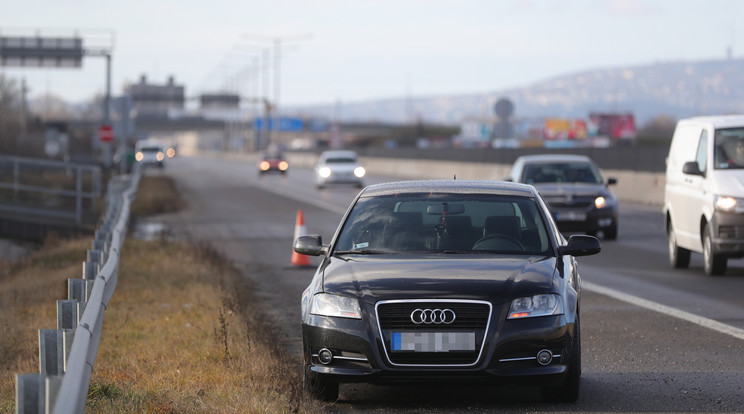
[(729, 149)]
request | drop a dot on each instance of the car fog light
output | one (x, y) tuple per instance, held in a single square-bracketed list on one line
[(325, 356), (544, 357)]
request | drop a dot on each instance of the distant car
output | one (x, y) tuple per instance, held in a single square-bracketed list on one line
[(339, 167), (272, 162), (445, 282), (573, 188), (149, 153)]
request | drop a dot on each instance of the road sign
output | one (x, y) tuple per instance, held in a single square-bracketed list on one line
[(106, 133)]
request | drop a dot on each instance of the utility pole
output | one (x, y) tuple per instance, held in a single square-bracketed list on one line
[(276, 41)]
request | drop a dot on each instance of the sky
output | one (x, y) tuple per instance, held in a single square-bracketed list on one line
[(355, 50)]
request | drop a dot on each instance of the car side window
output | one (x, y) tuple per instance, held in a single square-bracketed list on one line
[(702, 152)]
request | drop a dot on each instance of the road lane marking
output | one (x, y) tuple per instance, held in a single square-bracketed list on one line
[(301, 198), (666, 310)]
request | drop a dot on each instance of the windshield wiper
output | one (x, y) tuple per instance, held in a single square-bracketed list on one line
[(363, 251)]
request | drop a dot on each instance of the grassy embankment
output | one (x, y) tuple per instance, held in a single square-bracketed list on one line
[(181, 334)]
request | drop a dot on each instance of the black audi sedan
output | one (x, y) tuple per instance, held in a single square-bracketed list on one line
[(452, 281), (574, 190)]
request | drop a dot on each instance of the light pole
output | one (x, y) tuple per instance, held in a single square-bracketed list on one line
[(276, 41)]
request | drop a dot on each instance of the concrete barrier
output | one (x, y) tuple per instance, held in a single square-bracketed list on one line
[(639, 187)]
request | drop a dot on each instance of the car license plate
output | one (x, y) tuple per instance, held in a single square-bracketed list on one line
[(433, 341), (571, 216)]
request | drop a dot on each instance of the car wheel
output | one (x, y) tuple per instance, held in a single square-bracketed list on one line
[(714, 264), (569, 390), (610, 233), (318, 388), (679, 257)]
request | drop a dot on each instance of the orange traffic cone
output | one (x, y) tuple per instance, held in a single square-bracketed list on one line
[(300, 230)]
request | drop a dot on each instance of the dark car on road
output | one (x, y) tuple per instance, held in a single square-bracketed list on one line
[(445, 281), (272, 161), (573, 187)]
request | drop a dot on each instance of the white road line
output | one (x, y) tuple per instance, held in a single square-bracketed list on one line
[(302, 198), (667, 310)]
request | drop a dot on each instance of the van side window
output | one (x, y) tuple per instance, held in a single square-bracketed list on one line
[(702, 152)]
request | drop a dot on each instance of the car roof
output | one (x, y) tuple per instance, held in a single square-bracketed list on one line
[(451, 186), (719, 121), (541, 158)]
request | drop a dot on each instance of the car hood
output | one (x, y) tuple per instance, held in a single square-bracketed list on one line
[(576, 189), (728, 183), (373, 278)]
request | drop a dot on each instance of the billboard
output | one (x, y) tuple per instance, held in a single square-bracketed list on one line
[(560, 129), (614, 126)]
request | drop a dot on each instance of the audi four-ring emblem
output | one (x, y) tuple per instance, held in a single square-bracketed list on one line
[(433, 316)]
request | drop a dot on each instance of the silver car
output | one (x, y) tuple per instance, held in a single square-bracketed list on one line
[(339, 167)]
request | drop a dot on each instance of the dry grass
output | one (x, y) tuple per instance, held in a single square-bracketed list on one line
[(181, 334), (175, 340), (156, 194)]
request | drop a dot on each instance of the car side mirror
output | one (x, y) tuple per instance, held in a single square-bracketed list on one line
[(611, 181), (310, 245), (580, 245), (691, 168)]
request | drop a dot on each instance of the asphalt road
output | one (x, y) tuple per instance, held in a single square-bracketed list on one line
[(654, 339)]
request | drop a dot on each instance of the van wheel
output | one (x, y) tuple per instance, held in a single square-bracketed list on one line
[(714, 264), (679, 257)]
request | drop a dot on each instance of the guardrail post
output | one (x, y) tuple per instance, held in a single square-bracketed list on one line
[(29, 396), (79, 289), (90, 270), (68, 313), (52, 385)]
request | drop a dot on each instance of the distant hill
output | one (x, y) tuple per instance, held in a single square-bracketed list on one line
[(676, 89)]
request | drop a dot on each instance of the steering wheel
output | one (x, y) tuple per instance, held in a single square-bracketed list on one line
[(499, 241)]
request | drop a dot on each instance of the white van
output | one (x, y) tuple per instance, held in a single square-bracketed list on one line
[(704, 192)]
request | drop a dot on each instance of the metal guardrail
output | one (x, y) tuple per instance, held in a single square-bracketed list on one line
[(14, 168), (67, 354)]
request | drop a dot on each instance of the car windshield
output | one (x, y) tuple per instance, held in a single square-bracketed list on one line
[(340, 160), (444, 223), (561, 172), (729, 148)]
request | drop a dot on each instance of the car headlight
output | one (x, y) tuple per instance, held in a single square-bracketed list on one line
[(359, 172), (139, 156), (600, 202), (325, 304), (283, 166), (160, 156), (264, 166), (324, 172), (729, 204), (533, 306)]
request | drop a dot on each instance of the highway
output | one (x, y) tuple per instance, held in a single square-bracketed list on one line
[(654, 339)]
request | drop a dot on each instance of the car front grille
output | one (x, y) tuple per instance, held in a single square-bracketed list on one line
[(569, 202), (394, 317)]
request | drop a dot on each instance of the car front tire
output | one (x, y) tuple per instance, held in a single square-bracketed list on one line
[(679, 257), (714, 264), (569, 390), (610, 233), (318, 388)]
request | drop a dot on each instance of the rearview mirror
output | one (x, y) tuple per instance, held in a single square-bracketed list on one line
[(310, 245), (691, 168), (580, 245), (452, 208)]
